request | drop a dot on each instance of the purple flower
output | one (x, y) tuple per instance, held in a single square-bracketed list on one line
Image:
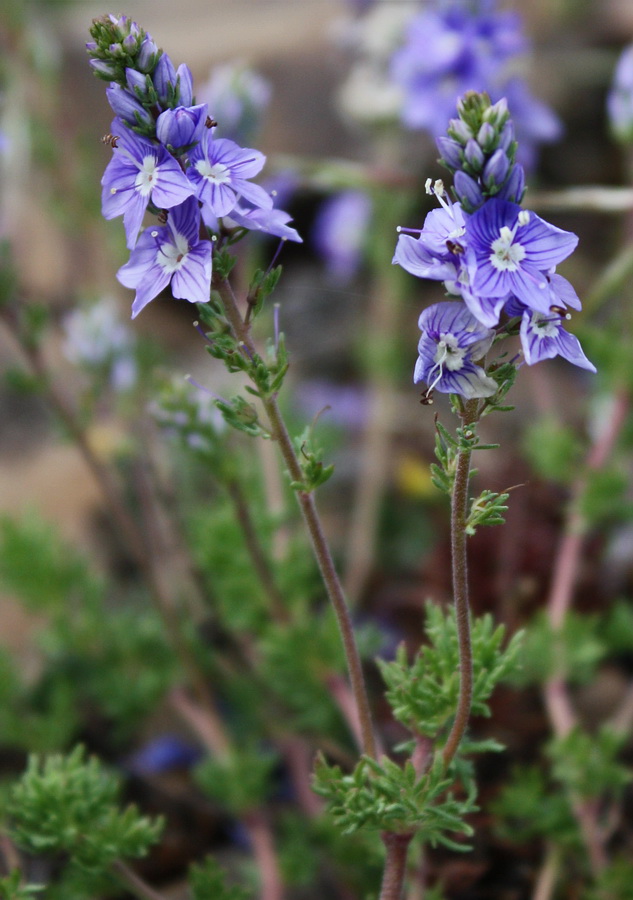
[(543, 337), (139, 172), (620, 98), (340, 231), (452, 342), (237, 97), (170, 253), (181, 127), (220, 169), (447, 53), (510, 250), (269, 221)]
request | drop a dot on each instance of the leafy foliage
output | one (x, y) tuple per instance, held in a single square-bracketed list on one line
[(68, 804), (423, 695), (383, 796), (207, 881), (240, 781)]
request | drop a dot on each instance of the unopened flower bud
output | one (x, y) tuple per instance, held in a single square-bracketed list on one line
[(103, 69), (184, 80), (127, 106), (496, 169), (147, 56), (459, 131), (486, 137), (514, 188), (468, 191), (181, 127), (474, 155), (507, 135), (450, 151)]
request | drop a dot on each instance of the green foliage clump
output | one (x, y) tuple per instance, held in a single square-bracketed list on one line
[(587, 764), (423, 695), (575, 649), (553, 450), (384, 796), (529, 806), (240, 781), (68, 805), (207, 881)]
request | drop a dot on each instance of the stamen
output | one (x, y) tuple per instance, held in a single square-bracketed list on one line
[(192, 381), (202, 333)]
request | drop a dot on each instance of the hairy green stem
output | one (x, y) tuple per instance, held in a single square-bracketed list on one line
[(459, 515), (397, 846), (311, 518)]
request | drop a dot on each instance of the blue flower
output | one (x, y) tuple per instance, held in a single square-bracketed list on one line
[(439, 253), (543, 337), (467, 47), (139, 172), (452, 342), (620, 98), (449, 52), (340, 231), (510, 251), (171, 253), (220, 171)]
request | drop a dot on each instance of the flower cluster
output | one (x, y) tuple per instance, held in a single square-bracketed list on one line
[(494, 255), (166, 160), (462, 46)]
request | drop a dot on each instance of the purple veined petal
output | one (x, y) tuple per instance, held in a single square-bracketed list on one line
[(470, 382), (133, 218), (571, 350), (488, 281), (530, 286), (253, 193), (220, 197), (185, 219), (172, 185), (545, 244), (413, 256), (271, 221), (452, 317), (142, 258), (486, 310), (117, 187), (193, 281), (156, 281), (536, 346), (563, 292), (242, 161)]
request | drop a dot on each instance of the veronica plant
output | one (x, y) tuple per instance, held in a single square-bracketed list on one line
[(495, 258)]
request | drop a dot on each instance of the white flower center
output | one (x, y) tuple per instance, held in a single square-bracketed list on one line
[(544, 326), (218, 172), (147, 177), (449, 353), (506, 255), (172, 256)]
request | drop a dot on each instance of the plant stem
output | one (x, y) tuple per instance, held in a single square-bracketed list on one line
[(397, 846), (134, 883), (256, 551), (311, 518), (459, 515)]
